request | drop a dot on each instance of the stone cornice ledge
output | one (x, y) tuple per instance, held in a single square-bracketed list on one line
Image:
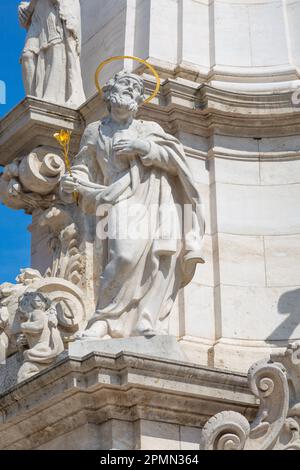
[(32, 123), (207, 110), (126, 386), (182, 106), (230, 154)]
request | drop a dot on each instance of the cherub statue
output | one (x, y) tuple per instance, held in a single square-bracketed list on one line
[(39, 329)]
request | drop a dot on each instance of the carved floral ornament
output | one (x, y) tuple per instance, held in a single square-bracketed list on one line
[(275, 382)]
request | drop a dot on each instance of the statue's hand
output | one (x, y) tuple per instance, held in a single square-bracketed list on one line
[(24, 14), (69, 184), (22, 341), (125, 147), (52, 318)]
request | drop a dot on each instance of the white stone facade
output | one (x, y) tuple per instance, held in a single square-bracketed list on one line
[(245, 160), (240, 44), (229, 70)]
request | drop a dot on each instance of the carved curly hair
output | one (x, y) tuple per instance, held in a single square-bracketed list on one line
[(123, 74), (33, 296)]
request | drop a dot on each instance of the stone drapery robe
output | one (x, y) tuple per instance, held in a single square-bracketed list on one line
[(139, 294), (56, 23)]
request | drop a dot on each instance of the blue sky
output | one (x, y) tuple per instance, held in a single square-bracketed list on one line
[(14, 236)]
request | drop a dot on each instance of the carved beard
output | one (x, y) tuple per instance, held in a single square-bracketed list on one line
[(124, 101)]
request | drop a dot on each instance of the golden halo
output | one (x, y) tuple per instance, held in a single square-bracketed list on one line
[(120, 57)]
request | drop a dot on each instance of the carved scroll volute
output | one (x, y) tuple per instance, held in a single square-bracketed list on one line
[(68, 301), (41, 170), (231, 431), (31, 182), (227, 430), (269, 382), (290, 358)]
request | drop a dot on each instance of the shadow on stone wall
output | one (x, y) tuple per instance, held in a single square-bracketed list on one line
[(288, 304)]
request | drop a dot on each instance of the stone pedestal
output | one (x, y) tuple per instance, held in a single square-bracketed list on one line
[(119, 401), (164, 347)]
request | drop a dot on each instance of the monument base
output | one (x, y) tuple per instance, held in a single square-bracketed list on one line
[(161, 346), (103, 396)]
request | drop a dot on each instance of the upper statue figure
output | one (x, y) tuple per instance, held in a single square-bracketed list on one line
[(150, 229), (51, 56)]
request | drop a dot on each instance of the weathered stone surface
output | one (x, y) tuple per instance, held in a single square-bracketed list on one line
[(165, 347), (9, 372), (102, 396)]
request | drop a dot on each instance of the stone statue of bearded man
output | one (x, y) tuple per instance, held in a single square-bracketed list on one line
[(134, 175), (51, 56)]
